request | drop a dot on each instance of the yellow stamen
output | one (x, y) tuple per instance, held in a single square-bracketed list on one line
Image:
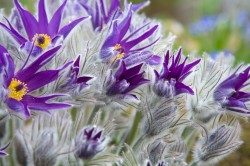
[(117, 47), (17, 89), (42, 40)]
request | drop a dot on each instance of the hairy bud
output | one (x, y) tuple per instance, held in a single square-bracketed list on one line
[(89, 142)]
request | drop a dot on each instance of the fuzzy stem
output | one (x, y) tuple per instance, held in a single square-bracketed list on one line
[(138, 142), (93, 113), (134, 128)]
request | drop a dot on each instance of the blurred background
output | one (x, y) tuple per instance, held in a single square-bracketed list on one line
[(202, 26)]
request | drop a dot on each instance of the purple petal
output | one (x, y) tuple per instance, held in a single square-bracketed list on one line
[(38, 80), (83, 79), (115, 4), (7, 66), (26, 73), (139, 6), (181, 88), (29, 21), (131, 44), (4, 147), (187, 68), (66, 29), (124, 25), (154, 60), (19, 38), (234, 103), (2, 154), (42, 18), (18, 107), (40, 103), (55, 21)]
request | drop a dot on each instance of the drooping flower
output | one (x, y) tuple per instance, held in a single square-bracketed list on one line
[(169, 82), (41, 32), (89, 142), (124, 80), (123, 41), (230, 92), (102, 12), (16, 87), (72, 81)]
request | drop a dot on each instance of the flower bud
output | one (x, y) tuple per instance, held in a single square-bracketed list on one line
[(219, 143), (45, 151), (89, 142), (23, 149)]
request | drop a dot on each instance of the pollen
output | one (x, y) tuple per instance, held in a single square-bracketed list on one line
[(17, 89), (117, 47), (120, 55), (42, 40)]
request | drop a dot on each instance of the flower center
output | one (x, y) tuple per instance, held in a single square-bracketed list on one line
[(17, 89), (120, 55), (42, 40)]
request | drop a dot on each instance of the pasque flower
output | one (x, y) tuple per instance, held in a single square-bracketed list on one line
[(42, 32), (89, 142), (102, 12), (122, 42), (169, 82), (72, 81), (124, 80), (230, 93), (16, 87)]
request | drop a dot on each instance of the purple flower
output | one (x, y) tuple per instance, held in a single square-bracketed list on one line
[(89, 142), (16, 87), (73, 82), (2, 153), (102, 12), (169, 83), (41, 32), (124, 80), (123, 41), (230, 94)]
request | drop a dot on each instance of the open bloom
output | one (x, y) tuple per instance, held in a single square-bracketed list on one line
[(124, 80), (102, 13), (72, 81), (230, 93), (16, 87), (123, 41), (169, 83), (41, 32)]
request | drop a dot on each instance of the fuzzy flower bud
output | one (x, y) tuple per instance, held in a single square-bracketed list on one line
[(160, 118), (89, 142), (44, 152), (219, 143)]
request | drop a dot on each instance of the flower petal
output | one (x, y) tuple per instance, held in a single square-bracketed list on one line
[(40, 103), (29, 21), (67, 28), (55, 21), (18, 107)]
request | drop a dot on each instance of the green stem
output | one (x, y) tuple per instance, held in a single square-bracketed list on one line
[(131, 137), (134, 128)]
